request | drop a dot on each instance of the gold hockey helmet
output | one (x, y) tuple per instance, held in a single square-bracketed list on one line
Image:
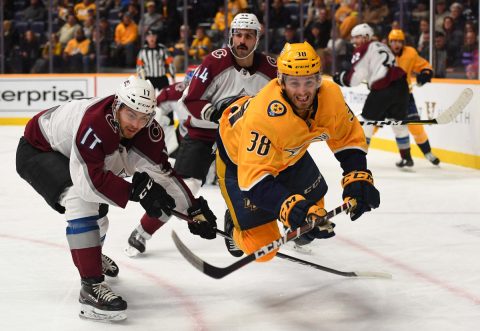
[(299, 59), (396, 34)]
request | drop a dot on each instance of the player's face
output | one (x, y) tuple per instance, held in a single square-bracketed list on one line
[(301, 91), (358, 41), (396, 46), (131, 121), (244, 41)]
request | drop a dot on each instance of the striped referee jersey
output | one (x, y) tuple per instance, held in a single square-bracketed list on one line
[(155, 61)]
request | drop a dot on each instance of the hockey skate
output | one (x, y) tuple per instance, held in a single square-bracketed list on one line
[(299, 245), (404, 163), (137, 242), (432, 158), (109, 267), (99, 302), (231, 246)]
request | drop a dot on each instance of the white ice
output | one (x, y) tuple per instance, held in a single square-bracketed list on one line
[(426, 233)]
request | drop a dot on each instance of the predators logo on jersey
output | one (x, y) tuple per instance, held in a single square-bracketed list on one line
[(249, 205), (276, 108), (294, 151)]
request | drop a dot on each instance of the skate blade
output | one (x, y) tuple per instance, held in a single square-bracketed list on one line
[(88, 312), (111, 274), (131, 251), (299, 249)]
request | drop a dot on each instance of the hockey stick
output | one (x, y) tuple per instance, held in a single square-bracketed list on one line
[(447, 116), (218, 272), (366, 274), (369, 274)]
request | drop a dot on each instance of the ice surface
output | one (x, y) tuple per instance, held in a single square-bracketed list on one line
[(426, 233)]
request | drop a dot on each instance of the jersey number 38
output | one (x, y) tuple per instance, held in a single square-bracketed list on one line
[(259, 143)]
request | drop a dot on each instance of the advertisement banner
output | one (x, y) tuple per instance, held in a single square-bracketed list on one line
[(24, 97), (458, 142), (461, 135)]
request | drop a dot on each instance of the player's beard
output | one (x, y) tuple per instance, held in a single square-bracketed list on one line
[(301, 105), (242, 50), (302, 108), (396, 50)]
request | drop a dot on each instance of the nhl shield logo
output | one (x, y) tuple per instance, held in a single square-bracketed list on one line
[(276, 108)]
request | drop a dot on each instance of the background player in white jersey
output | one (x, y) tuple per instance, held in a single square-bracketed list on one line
[(374, 62), (223, 76), (76, 157)]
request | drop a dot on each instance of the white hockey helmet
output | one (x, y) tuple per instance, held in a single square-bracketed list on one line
[(364, 30), (138, 94), (245, 21)]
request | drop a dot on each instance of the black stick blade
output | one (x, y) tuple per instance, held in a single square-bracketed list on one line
[(205, 267)]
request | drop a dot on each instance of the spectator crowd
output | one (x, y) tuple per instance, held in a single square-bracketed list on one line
[(118, 28)]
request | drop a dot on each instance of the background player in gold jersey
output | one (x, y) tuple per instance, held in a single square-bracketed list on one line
[(408, 59), (264, 170)]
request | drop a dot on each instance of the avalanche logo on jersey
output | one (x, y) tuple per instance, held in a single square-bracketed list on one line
[(294, 151), (219, 53), (111, 121), (155, 132), (276, 108), (272, 61)]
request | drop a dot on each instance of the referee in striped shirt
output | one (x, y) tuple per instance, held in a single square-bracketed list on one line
[(155, 59)]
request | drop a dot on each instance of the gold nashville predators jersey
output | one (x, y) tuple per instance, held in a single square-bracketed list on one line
[(410, 61), (263, 136)]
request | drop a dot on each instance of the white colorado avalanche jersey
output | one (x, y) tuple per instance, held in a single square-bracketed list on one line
[(86, 133), (219, 79), (374, 63)]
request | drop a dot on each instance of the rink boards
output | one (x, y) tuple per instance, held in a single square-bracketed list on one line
[(22, 96)]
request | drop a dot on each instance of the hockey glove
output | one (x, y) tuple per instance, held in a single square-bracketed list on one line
[(204, 224), (339, 78), (296, 210), (358, 185), (425, 76), (213, 114), (152, 196)]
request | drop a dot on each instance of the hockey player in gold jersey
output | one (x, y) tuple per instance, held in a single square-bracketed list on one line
[(410, 61), (264, 169)]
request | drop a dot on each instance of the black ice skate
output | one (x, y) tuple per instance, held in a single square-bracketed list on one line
[(137, 242), (432, 158), (301, 245), (231, 247), (99, 302), (404, 163), (109, 267)]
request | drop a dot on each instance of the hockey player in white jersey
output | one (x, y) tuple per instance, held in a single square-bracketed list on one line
[(224, 75), (374, 63), (76, 157)]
